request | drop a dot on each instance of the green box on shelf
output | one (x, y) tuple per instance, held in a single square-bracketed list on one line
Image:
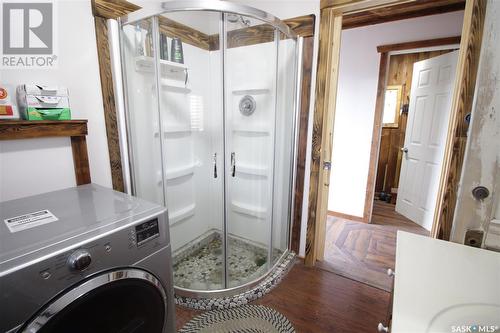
[(41, 102), (48, 114)]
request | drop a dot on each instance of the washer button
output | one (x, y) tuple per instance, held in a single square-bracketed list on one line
[(79, 260)]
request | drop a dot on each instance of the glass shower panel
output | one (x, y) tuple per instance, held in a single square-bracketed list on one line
[(142, 105), (250, 90), (284, 144), (191, 121)]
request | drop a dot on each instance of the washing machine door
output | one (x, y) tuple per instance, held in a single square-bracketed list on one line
[(125, 301)]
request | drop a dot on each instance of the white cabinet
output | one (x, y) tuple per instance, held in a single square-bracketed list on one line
[(442, 286)]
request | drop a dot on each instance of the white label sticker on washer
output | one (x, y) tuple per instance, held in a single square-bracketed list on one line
[(30, 220)]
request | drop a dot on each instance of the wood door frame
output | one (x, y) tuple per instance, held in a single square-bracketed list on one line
[(463, 95), (327, 80), (303, 26), (385, 60)]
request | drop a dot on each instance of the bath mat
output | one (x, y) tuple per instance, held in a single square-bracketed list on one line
[(243, 319)]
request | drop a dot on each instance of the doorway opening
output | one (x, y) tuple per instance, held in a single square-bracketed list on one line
[(410, 121), (415, 117)]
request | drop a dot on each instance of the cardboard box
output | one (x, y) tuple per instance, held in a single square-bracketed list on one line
[(48, 114), (37, 102)]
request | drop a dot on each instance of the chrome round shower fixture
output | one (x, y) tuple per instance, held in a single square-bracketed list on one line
[(235, 18), (247, 105)]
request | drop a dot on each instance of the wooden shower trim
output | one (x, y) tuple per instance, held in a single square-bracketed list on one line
[(108, 100), (302, 26), (305, 102), (337, 10)]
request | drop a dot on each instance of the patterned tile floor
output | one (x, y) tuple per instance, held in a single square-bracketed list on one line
[(203, 269), (362, 251)]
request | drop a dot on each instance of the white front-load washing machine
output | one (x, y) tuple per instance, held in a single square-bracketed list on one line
[(85, 260)]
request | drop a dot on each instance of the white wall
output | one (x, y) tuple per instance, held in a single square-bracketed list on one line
[(29, 167), (358, 78)]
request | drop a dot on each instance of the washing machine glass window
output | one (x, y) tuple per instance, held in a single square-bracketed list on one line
[(126, 301)]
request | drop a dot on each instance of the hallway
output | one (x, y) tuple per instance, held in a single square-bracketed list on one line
[(363, 252)]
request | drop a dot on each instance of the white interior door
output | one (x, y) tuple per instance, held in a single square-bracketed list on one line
[(428, 116)]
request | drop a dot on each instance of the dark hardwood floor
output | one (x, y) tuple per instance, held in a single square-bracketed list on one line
[(362, 251), (315, 300), (348, 291)]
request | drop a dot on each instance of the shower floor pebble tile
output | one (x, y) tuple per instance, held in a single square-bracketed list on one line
[(203, 269), (243, 298)]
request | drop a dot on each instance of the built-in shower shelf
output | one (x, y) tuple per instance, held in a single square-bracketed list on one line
[(178, 129), (251, 130), (252, 170), (175, 86), (180, 172), (251, 210), (144, 63), (181, 214), (250, 91)]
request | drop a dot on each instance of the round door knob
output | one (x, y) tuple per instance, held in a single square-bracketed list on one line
[(382, 328), (390, 272), (404, 150), (480, 192), (79, 260)]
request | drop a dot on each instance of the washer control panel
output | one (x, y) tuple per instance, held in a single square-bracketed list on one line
[(146, 231), (123, 247)]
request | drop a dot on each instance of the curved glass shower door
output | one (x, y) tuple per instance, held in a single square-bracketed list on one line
[(250, 97), (211, 129), (175, 126), (192, 115)]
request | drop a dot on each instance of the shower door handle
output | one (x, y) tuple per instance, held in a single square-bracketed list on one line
[(215, 165), (233, 164)]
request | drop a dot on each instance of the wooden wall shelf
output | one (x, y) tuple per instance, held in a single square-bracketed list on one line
[(30, 129), (75, 129)]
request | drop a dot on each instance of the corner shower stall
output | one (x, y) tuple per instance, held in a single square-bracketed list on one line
[(213, 136)]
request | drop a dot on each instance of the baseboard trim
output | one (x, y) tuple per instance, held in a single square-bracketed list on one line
[(348, 217)]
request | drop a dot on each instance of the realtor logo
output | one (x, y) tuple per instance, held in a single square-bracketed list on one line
[(27, 28), (28, 34)]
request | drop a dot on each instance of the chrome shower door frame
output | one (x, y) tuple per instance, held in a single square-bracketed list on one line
[(155, 9)]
